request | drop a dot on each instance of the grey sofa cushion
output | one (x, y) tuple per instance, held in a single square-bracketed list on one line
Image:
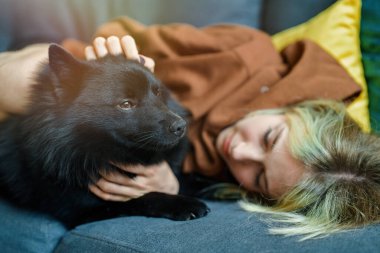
[(26, 22), (278, 15), (27, 232), (227, 228)]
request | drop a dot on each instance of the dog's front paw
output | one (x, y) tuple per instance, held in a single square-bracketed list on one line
[(174, 207), (187, 208)]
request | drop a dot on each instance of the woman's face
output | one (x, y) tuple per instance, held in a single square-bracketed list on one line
[(257, 153)]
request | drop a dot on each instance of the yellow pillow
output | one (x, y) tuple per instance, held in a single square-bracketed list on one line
[(336, 29)]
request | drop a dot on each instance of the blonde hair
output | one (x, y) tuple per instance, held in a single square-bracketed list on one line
[(341, 189)]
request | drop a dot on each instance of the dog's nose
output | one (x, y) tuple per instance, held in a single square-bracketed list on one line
[(178, 127)]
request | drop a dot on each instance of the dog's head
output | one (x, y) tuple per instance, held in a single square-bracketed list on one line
[(114, 100)]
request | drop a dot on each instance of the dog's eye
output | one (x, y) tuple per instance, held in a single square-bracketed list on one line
[(126, 105)]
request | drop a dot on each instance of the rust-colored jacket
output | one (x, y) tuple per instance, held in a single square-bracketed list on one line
[(222, 72)]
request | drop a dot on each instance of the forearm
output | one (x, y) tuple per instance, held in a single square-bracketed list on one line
[(16, 73)]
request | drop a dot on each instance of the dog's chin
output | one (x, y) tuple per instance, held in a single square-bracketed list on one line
[(155, 147), (153, 144), (164, 145)]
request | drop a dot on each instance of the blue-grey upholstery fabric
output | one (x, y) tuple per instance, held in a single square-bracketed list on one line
[(32, 21), (278, 15), (27, 232), (5, 27), (227, 228)]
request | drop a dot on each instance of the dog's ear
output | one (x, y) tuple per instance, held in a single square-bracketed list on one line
[(67, 70), (63, 63)]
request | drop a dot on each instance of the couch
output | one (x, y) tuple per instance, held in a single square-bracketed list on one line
[(227, 228)]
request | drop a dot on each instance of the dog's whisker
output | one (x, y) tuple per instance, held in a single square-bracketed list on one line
[(145, 142), (144, 139)]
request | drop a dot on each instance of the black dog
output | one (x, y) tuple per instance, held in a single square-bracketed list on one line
[(84, 115)]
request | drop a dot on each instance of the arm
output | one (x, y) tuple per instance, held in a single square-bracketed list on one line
[(119, 187), (16, 71)]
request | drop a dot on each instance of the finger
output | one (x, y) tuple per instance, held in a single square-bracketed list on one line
[(129, 47), (120, 179), (100, 47), (106, 196), (114, 46), (117, 189), (137, 169), (147, 62), (89, 52)]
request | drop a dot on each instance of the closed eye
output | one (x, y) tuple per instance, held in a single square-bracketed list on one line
[(257, 180), (261, 182)]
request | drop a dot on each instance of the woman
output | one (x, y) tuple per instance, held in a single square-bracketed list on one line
[(308, 164)]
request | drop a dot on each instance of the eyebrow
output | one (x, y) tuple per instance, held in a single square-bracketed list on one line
[(278, 135), (266, 135)]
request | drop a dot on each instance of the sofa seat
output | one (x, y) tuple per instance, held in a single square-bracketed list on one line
[(227, 228)]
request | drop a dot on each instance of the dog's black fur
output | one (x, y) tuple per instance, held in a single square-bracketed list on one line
[(82, 115)]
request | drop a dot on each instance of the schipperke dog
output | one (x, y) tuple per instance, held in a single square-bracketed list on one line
[(84, 116)]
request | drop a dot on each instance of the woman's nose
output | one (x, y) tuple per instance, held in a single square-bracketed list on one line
[(247, 151)]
